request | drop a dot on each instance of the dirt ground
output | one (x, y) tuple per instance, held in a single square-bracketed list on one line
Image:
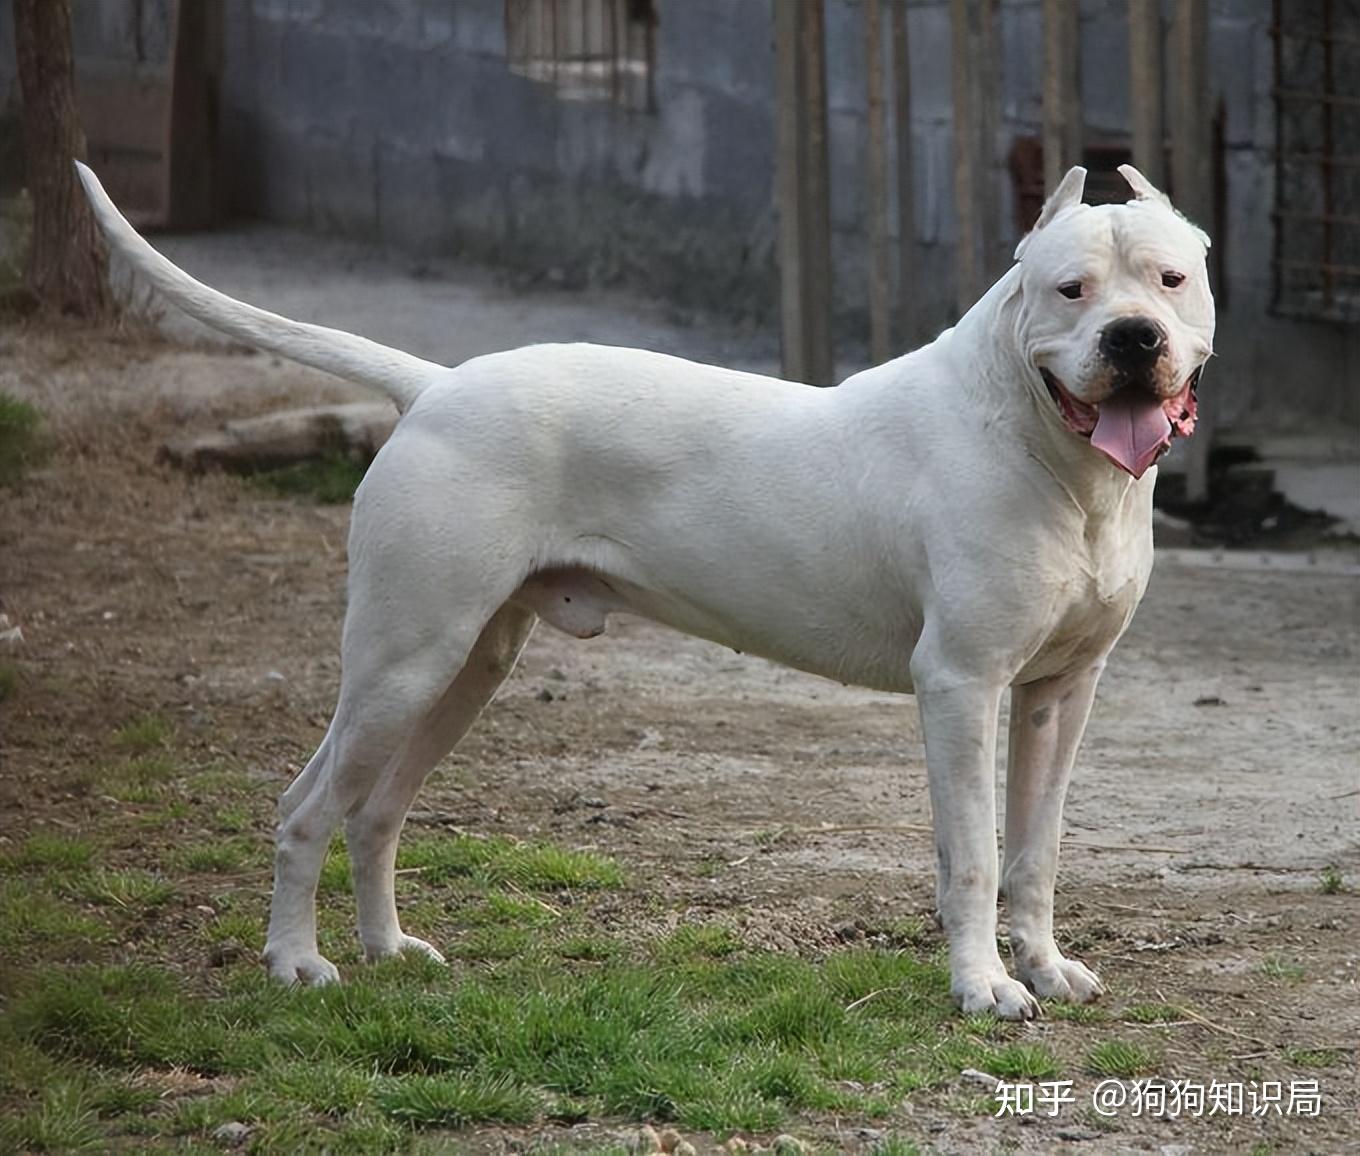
[(1217, 782)]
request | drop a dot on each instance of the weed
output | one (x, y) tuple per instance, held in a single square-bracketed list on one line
[(329, 480), (1330, 881), (497, 861), (1278, 967), (51, 852), (143, 734), (1121, 1058), (21, 441), (133, 889), (453, 1101), (224, 857), (63, 1121), (1311, 1057), (1152, 1013)]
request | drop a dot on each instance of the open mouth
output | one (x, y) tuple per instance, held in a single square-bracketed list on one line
[(1132, 427)]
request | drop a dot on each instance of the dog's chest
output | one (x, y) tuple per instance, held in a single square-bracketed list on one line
[(1093, 606)]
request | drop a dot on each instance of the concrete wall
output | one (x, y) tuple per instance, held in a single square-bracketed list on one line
[(399, 121)]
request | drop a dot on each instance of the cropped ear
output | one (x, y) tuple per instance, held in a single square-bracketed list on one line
[(1065, 196), (1145, 190)]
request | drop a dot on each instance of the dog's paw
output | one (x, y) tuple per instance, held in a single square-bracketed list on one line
[(403, 944), (300, 967), (1006, 998), (1068, 980)]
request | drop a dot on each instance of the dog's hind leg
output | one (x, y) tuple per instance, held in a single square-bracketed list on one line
[(372, 830), (398, 672)]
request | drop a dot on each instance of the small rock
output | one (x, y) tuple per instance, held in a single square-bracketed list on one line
[(650, 740), (787, 1145), (10, 635), (669, 1139), (1210, 700), (684, 1148), (644, 1141), (594, 802), (274, 676), (979, 1077), (204, 909), (557, 675), (545, 695), (736, 1144), (233, 1133)]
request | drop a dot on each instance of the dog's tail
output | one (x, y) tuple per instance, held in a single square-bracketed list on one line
[(399, 375)]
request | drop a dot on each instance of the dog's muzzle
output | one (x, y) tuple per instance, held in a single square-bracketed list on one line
[(1133, 427)]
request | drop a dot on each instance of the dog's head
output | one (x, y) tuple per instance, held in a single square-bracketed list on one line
[(1117, 318)]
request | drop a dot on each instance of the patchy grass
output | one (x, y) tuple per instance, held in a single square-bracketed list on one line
[(329, 480), (145, 733), (21, 441), (1279, 967), (1331, 881), (532, 866), (1152, 1013), (44, 851), (1121, 1058)]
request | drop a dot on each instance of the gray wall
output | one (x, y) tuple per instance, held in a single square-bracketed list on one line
[(399, 121)]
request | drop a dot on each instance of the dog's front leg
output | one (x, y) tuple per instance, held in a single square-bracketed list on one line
[(1047, 721), (958, 717)]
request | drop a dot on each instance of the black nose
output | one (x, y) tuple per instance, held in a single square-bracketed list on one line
[(1132, 341)]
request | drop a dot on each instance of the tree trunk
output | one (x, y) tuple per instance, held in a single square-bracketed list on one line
[(66, 261)]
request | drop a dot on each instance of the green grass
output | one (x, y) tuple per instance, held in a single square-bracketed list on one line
[(1121, 1058), (493, 861), (1280, 968), (1330, 880), (1152, 1013), (134, 890), (143, 734), (49, 852), (1312, 1057), (744, 1040), (217, 857), (21, 440), (328, 480)]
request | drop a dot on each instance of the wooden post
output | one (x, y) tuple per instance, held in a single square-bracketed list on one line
[(967, 277), (1062, 130), (802, 189), (1145, 89), (986, 109), (880, 337), (191, 137), (906, 191), (1191, 175), (1191, 112)]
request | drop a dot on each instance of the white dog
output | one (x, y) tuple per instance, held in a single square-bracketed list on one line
[(970, 517)]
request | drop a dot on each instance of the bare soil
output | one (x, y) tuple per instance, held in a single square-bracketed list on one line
[(1217, 781)]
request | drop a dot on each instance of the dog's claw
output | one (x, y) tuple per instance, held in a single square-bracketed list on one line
[(305, 968), (407, 943), (1006, 998), (1068, 980)]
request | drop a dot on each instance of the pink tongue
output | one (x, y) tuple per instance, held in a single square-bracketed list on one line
[(1132, 431)]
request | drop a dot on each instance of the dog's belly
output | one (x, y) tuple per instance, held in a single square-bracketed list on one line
[(833, 639)]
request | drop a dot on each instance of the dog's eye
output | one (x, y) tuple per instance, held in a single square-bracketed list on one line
[(1072, 290), (1172, 280)]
